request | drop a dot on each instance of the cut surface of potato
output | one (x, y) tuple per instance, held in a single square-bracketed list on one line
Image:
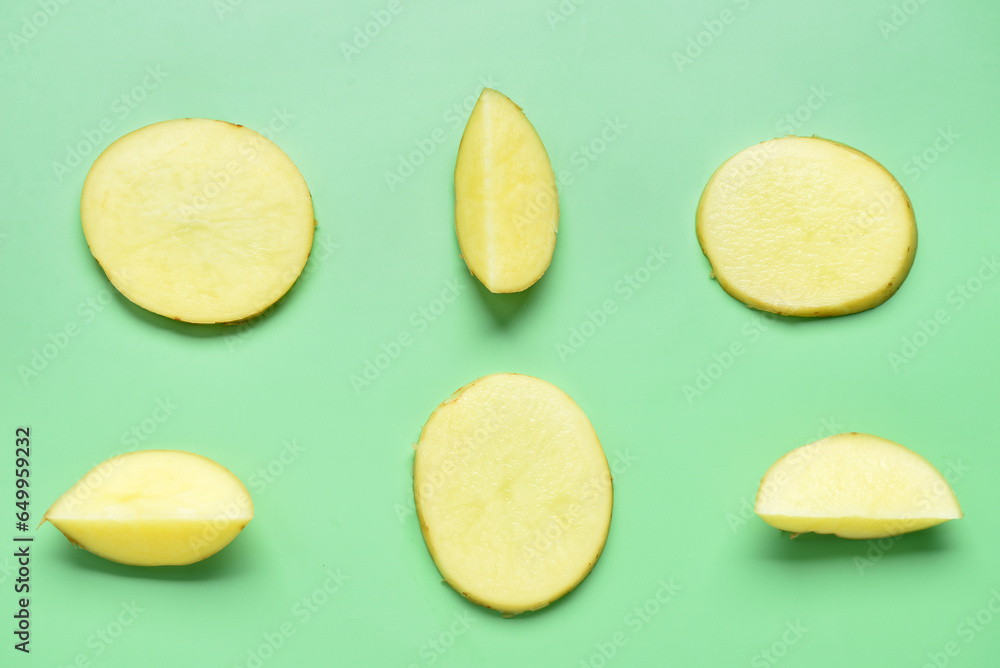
[(154, 508), (513, 492), (506, 204), (198, 220), (807, 227), (855, 486)]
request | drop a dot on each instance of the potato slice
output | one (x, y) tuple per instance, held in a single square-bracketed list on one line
[(198, 220), (506, 204), (855, 486), (808, 227), (513, 492), (154, 508)]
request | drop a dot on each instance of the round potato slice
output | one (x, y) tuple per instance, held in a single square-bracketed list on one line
[(513, 492), (198, 220), (808, 227), (855, 486), (154, 508)]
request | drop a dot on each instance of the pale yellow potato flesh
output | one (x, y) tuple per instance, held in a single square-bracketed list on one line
[(513, 492), (198, 220), (855, 486), (154, 508), (506, 204), (805, 226)]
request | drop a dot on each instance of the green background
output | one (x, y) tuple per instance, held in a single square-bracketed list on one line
[(634, 133)]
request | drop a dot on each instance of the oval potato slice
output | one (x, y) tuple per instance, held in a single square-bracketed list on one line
[(198, 220), (513, 492), (808, 227), (154, 508)]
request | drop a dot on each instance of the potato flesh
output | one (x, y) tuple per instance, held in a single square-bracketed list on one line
[(808, 227), (855, 486), (506, 204), (513, 492), (154, 508), (198, 220)]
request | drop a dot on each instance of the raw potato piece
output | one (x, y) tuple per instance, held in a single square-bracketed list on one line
[(198, 220), (506, 205), (154, 508), (513, 492), (808, 227), (855, 486)]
